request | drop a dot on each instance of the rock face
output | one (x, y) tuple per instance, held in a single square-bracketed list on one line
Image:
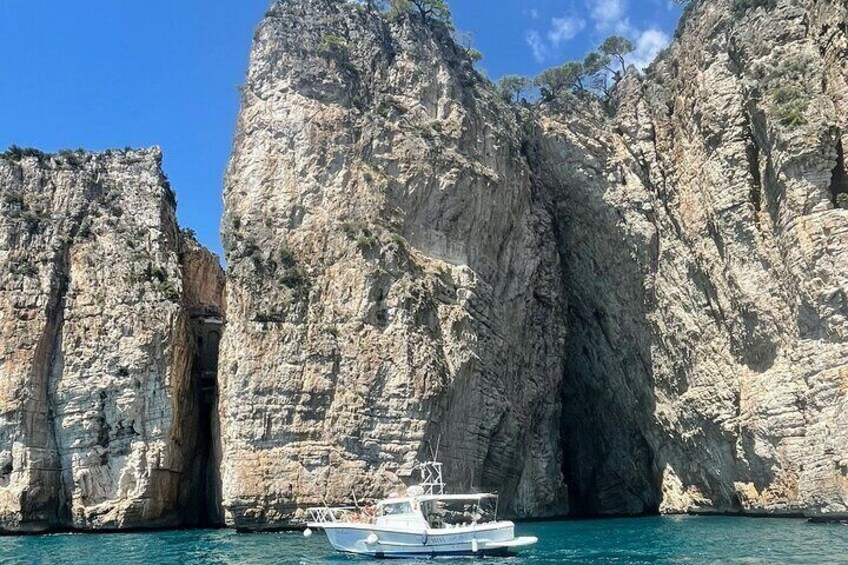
[(645, 311), (99, 418), (591, 308), (704, 249), (394, 285)]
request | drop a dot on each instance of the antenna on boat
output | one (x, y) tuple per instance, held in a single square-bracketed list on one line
[(431, 472)]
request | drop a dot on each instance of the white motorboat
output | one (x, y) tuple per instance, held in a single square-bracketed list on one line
[(424, 522)]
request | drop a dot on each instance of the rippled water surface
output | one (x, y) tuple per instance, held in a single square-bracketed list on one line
[(625, 541)]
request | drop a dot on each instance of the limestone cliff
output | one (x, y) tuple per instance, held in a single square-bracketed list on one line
[(644, 307), (594, 308), (704, 250), (393, 277), (99, 420)]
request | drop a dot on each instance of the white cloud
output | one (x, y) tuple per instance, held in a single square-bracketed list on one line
[(564, 29), (537, 45), (534, 13), (609, 14), (561, 30), (649, 43), (612, 16)]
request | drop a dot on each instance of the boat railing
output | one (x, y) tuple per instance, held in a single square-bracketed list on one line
[(431, 481), (327, 514)]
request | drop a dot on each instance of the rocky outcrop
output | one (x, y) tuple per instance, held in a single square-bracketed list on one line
[(704, 250), (591, 308), (646, 307), (99, 418), (393, 277)]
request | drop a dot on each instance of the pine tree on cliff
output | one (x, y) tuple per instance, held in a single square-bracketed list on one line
[(513, 85), (436, 10), (617, 47)]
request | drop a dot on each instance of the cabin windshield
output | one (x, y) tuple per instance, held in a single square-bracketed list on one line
[(394, 509), (459, 512)]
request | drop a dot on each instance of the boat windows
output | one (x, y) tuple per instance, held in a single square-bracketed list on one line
[(395, 509), (455, 513)]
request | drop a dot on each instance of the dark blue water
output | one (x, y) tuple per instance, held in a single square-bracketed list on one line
[(639, 540)]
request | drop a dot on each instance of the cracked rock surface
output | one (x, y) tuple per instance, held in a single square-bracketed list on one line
[(590, 308), (394, 282), (97, 417), (646, 311)]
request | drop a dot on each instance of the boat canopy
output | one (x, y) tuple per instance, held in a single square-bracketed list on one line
[(479, 496), (430, 497)]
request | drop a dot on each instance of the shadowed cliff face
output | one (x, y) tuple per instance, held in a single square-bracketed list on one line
[(99, 416), (645, 310), (703, 254)]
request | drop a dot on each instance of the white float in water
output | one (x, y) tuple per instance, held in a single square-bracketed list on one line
[(307, 532)]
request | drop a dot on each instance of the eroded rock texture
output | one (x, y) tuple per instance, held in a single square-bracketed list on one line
[(590, 308), (648, 309), (704, 248), (394, 281), (98, 417)]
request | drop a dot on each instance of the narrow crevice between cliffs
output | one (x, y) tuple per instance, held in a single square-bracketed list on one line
[(839, 179), (49, 350), (204, 283), (608, 465), (207, 324)]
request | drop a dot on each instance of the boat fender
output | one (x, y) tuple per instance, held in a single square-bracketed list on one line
[(372, 539), (425, 538), (307, 533), (474, 547)]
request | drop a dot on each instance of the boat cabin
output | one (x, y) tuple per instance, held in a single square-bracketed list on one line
[(438, 511)]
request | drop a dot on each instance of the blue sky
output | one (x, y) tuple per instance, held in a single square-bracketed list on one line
[(111, 73)]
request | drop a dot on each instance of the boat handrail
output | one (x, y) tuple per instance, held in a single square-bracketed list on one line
[(431, 478), (327, 514)]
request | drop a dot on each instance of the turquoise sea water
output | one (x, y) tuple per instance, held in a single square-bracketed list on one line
[(688, 540)]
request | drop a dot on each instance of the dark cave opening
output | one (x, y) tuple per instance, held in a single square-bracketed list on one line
[(207, 325), (609, 466), (839, 180), (579, 505)]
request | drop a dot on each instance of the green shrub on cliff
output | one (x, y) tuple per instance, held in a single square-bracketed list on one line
[(790, 103), (595, 74), (169, 291), (73, 157), (512, 86), (297, 280), (558, 80), (14, 199), (15, 152), (475, 55), (24, 268), (788, 86), (155, 273), (617, 47), (435, 10), (333, 45)]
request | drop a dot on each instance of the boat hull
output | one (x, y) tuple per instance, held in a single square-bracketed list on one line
[(364, 539)]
